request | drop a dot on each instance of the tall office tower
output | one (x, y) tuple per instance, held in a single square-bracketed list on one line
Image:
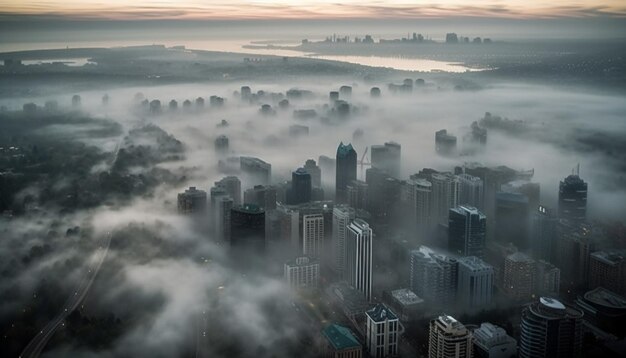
[(445, 144), (491, 341), (573, 198), (192, 201), (313, 235), (345, 172), (341, 343), (263, 196), (247, 230), (420, 205), (221, 144), (433, 276), (467, 229), (551, 329), (576, 241), (382, 332), (608, 269), (328, 167), (359, 257), (548, 279), (223, 206), (357, 194), (383, 197), (512, 219), (232, 185), (288, 228), (519, 276), (387, 158), (255, 170), (526, 187), (342, 217), (543, 234), (300, 191), (475, 282), (445, 195), (246, 93), (448, 338), (302, 272), (215, 194), (471, 191), (316, 173)]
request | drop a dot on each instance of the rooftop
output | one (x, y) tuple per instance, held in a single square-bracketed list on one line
[(406, 297), (474, 263), (381, 313), (609, 257), (603, 297), (340, 337)]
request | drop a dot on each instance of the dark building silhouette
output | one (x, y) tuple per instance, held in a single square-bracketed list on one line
[(256, 171), (573, 198), (247, 230), (467, 231), (551, 329), (263, 196), (445, 143), (452, 38), (232, 186), (300, 187), (192, 201), (387, 158), (543, 234), (345, 171), (375, 92), (221, 144), (316, 173), (512, 221)]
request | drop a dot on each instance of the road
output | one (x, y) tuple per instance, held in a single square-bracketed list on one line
[(38, 343)]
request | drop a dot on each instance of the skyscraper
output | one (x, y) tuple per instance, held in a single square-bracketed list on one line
[(519, 276), (302, 272), (466, 231), (359, 257), (247, 229), (232, 185), (223, 206), (448, 338), (382, 332), (471, 191), (255, 170), (192, 201), (313, 235), (573, 198), (345, 172), (358, 194), (433, 276), (263, 196), (445, 195), (316, 173), (608, 269), (512, 219), (543, 238), (342, 217), (387, 158), (420, 207), (551, 329), (475, 282), (300, 187)]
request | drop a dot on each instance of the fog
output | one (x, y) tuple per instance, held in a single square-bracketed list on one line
[(163, 273)]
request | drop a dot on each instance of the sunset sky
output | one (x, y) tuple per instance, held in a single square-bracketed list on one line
[(309, 9)]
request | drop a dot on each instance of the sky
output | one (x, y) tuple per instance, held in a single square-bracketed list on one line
[(307, 9)]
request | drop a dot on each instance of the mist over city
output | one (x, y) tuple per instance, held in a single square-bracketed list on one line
[(312, 179)]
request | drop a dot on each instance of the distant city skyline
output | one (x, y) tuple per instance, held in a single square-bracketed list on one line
[(309, 9)]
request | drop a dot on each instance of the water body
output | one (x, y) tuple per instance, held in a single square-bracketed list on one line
[(240, 46)]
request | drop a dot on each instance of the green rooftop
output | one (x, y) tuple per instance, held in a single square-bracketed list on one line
[(340, 337)]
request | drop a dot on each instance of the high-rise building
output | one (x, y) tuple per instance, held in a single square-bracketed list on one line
[(359, 257), (358, 194), (316, 173), (608, 269), (192, 201), (547, 279), (445, 143), (342, 217), (247, 230), (221, 144), (449, 338), (382, 333), (519, 276), (512, 219), (232, 185), (433, 276), (524, 186), (420, 206), (467, 229), (263, 196), (471, 191), (445, 195), (223, 206), (551, 329), (573, 198), (313, 235), (300, 187), (491, 341), (302, 272), (475, 282), (387, 158), (543, 234), (605, 310), (341, 343), (345, 172), (215, 194), (383, 197), (255, 170)]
